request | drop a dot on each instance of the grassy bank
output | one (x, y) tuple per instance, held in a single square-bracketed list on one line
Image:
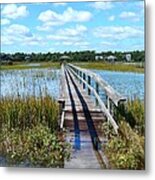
[(126, 150), (124, 67), (20, 66), (29, 132), (112, 66)]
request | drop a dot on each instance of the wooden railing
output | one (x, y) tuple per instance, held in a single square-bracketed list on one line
[(114, 99)]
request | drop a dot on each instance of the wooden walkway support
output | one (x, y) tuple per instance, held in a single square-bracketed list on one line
[(82, 118)]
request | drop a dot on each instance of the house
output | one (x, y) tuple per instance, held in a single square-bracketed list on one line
[(27, 58), (98, 57), (128, 57), (111, 58)]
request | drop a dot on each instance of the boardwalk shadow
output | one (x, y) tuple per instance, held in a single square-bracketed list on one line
[(91, 128), (77, 142)]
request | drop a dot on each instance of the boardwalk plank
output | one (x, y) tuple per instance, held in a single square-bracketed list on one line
[(83, 122)]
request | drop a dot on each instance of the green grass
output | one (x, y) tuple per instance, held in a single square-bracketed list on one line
[(111, 66), (124, 67), (29, 132), (126, 149), (20, 66)]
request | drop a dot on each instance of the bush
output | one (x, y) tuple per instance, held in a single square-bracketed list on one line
[(126, 150), (34, 147), (133, 113), (29, 132)]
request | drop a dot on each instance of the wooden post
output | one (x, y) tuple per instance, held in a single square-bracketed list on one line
[(97, 90), (84, 78), (112, 109), (108, 105), (89, 82), (77, 72), (61, 107), (80, 76)]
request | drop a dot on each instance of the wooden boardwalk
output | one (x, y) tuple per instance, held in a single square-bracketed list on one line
[(82, 120)]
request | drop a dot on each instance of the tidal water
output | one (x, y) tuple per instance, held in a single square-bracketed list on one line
[(128, 84), (40, 81)]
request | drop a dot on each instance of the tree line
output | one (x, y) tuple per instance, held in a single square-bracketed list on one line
[(85, 56)]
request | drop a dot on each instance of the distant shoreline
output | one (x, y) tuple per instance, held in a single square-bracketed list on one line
[(118, 66)]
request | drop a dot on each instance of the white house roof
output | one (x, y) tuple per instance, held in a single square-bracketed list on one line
[(111, 57)]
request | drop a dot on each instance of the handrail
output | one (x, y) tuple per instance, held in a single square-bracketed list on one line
[(102, 105), (114, 96)]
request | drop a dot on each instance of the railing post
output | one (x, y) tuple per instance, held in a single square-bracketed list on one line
[(80, 76), (113, 109), (97, 90), (108, 105), (84, 78), (89, 82), (77, 72)]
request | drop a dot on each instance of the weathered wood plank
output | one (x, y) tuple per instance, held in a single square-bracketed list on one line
[(79, 113)]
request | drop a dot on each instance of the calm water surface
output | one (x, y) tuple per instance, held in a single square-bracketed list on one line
[(36, 81), (30, 82), (127, 83)]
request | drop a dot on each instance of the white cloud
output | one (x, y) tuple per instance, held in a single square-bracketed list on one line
[(111, 18), (5, 21), (102, 5), (51, 18), (18, 29), (44, 27), (129, 15), (69, 33), (78, 30), (70, 36), (13, 11), (118, 32), (20, 34)]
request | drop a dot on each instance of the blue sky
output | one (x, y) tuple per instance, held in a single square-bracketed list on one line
[(59, 27)]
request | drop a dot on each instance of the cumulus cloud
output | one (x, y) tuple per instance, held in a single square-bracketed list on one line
[(118, 32), (13, 11), (70, 36), (18, 29), (21, 34), (102, 5), (52, 18), (78, 30), (129, 15), (5, 21)]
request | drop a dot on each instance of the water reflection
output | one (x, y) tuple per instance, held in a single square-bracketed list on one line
[(127, 83), (35, 81), (30, 82)]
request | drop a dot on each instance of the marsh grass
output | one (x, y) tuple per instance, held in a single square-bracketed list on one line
[(112, 66), (134, 114), (124, 67), (126, 150), (21, 66), (29, 131), (19, 113)]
